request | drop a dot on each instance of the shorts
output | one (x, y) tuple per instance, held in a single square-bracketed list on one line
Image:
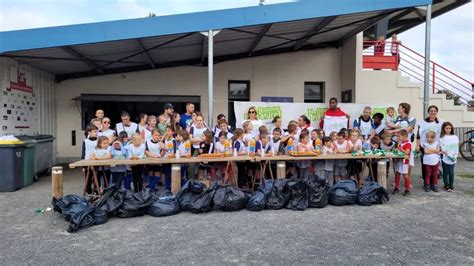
[(401, 168), (340, 163), (153, 167), (340, 171), (412, 159)]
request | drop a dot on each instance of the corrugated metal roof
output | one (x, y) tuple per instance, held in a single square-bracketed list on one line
[(281, 32)]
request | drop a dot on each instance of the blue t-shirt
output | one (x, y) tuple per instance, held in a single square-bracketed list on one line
[(185, 120)]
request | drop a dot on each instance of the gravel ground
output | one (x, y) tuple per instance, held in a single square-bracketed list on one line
[(424, 228)]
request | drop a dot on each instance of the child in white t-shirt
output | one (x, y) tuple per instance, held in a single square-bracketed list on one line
[(431, 161), (328, 164), (449, 144), (390, 119)]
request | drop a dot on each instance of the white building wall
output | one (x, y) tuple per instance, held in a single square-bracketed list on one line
[(277, 75)]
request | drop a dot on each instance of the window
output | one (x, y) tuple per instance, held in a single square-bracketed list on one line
[(239, 90), (314, 92)]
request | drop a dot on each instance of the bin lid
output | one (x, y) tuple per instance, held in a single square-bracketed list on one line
[(11, 143), (28, 140), (42, 138)]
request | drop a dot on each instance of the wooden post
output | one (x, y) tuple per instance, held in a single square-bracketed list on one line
[(175, 178), (57, 182), (382, 173), (281, 170)]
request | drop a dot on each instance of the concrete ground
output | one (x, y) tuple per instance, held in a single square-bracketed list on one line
[(424, 228)]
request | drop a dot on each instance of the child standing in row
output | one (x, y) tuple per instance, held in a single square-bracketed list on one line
[(153, 149), (304, 145), (449, 148), (405, 146), (341, 146), (431, 161), (119, 152), (102, 152), (328, 164), (136, 151), (88, 146)]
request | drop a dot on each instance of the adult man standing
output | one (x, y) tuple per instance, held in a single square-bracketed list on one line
[(365, 124), (187, 118), (126, 125), (333, 111)]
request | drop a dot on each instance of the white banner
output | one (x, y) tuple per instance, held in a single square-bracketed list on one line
[(291, 111), (334, 123)]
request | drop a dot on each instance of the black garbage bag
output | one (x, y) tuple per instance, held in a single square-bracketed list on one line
[(229, 199), (111, 200), (78, 212), (258, 200), (318, 191), (136, 204), (343, 192), (279, 194), (166, 205), (372, 193), (298, 195), (195, 198)]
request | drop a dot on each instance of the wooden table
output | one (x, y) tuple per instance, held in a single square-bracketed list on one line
[(229, 175)]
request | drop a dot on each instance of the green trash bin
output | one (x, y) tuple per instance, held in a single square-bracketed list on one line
[(28, 159), (11, 166)]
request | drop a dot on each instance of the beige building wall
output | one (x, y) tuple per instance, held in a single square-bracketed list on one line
[(277, 75)]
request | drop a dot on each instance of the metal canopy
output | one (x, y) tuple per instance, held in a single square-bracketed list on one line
[(149, 43)]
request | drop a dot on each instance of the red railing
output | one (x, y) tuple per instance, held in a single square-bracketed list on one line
[(411, 63)]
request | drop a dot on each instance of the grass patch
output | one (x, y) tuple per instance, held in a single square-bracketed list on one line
[(465, 175)]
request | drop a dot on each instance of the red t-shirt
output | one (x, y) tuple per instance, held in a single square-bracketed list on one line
[(331, 112), (406, 146)]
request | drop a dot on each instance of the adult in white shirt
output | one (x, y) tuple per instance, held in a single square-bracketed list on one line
[(106, 131), (126, 125), (430, 123), (252, 116)]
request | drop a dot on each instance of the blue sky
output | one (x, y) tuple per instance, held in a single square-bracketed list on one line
[(452, 33)]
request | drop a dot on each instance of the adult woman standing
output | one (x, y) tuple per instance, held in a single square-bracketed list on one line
[(253, 118), (430, 123), (407, 123)]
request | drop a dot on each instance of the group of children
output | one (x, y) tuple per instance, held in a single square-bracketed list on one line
[(153, 141)]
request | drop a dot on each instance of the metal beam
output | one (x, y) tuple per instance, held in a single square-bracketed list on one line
[(321, 25), (418, 13), (203, 50), (392, 20), (152, 64), (259, 38), (146, 50), (367, 24), (78, 55)]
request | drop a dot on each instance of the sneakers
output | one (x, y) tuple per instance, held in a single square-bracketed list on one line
[(406, 193), (395, 191), (450, 190), (427, 188), (435, 189)]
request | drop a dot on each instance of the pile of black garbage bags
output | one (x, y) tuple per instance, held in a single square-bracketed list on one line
[(195, 197)]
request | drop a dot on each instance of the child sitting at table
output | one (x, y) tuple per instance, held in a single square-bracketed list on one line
[(119, 152), (341, 146), (248, 132), (304, 145), (328, 163), (102, 152), (263, 146), (153, 149), (402, 165), (136, 151), (355, 143), (206, 147)]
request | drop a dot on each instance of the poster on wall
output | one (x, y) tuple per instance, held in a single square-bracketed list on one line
[(20, 113), (266, 111)]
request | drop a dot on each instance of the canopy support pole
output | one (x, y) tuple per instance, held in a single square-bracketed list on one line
[(210, 73), (426, 91)]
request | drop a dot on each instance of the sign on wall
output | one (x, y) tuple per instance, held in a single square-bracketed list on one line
[(291, 111), (20, 113)]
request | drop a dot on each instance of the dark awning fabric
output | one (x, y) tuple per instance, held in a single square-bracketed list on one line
[(135, 98)]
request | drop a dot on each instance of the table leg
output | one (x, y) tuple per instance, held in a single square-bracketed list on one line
[(84, 190), (96, 181), (281, 170), (382, 173), (175, 178)]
